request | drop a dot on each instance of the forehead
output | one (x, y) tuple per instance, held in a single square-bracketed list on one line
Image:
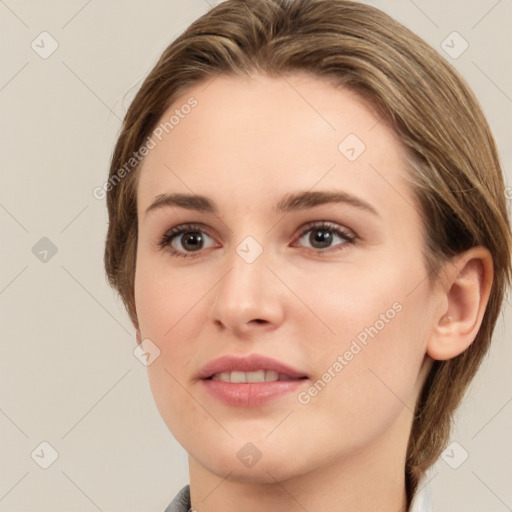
[(260, 137)]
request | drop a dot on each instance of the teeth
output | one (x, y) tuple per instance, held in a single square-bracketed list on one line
[(270, 376), (238, 377), (257, 376)]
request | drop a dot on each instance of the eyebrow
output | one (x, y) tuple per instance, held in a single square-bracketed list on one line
[(290, 202)]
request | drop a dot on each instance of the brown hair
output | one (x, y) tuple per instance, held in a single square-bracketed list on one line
[(455, 168)]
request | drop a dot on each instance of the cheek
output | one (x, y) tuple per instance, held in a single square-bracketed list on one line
[(166, 308), (352, 303), (362, 388), (164, 299), (172, 308), (376, 339)]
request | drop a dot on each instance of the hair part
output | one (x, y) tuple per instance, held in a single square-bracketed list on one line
[(455, 171)]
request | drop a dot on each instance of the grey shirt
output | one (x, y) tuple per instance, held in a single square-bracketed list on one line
[(422, 501)]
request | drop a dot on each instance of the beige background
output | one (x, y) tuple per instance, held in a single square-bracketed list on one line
[(67, 372)]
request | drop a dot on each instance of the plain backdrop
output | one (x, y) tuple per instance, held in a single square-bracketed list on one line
[(68, 376)]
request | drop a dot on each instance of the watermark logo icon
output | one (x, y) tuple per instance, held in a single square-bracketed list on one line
[(44, 455), (249, 249), (249, 455), (146, 352), (454, 45), (44, 45), (351, 147), (455, 455), (44, 250)]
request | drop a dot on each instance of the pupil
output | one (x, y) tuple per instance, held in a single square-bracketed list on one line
[(324, 238), (192, 240)]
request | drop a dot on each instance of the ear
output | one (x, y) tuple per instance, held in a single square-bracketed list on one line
[(465, 289)]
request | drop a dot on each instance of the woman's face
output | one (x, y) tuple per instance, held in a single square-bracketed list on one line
[(333, 286)]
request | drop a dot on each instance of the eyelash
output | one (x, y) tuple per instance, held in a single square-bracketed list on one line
[(167, 238)]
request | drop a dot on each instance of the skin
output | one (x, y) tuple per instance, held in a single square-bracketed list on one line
[(247, 144)]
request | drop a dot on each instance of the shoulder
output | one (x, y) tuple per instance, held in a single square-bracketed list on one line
[(181, 502), (422, 501)]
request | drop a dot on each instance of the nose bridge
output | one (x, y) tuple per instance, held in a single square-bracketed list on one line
[(248, 291)]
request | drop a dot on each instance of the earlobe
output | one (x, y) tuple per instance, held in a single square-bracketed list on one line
[(467, 286)]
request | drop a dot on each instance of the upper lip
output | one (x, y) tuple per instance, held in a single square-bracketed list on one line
[(251, 363)]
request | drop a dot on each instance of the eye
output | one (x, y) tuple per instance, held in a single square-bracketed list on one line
[(185, 240), (323, 235)]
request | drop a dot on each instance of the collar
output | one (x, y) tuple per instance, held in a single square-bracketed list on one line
[(422, 501)]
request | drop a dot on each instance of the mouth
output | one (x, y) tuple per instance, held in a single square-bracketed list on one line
[(240, 377), (249, 368), (251, 380)]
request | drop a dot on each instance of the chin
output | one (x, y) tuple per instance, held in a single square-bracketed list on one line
[(271, 467)]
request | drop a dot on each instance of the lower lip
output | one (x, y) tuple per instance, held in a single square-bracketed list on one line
[(251, 394)]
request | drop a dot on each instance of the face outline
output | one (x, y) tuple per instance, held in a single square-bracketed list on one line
[(262, 140)]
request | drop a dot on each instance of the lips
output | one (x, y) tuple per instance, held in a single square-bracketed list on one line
[(251, 363), (240, 391)]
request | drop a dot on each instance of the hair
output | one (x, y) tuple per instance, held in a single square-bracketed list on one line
[(455, 171)]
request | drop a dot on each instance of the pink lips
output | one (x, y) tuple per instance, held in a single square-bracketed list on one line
[(247, 364), (249, 394)]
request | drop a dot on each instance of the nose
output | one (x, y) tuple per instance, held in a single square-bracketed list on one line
[(248, 298)]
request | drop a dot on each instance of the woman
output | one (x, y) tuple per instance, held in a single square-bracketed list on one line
[(309, 231)]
